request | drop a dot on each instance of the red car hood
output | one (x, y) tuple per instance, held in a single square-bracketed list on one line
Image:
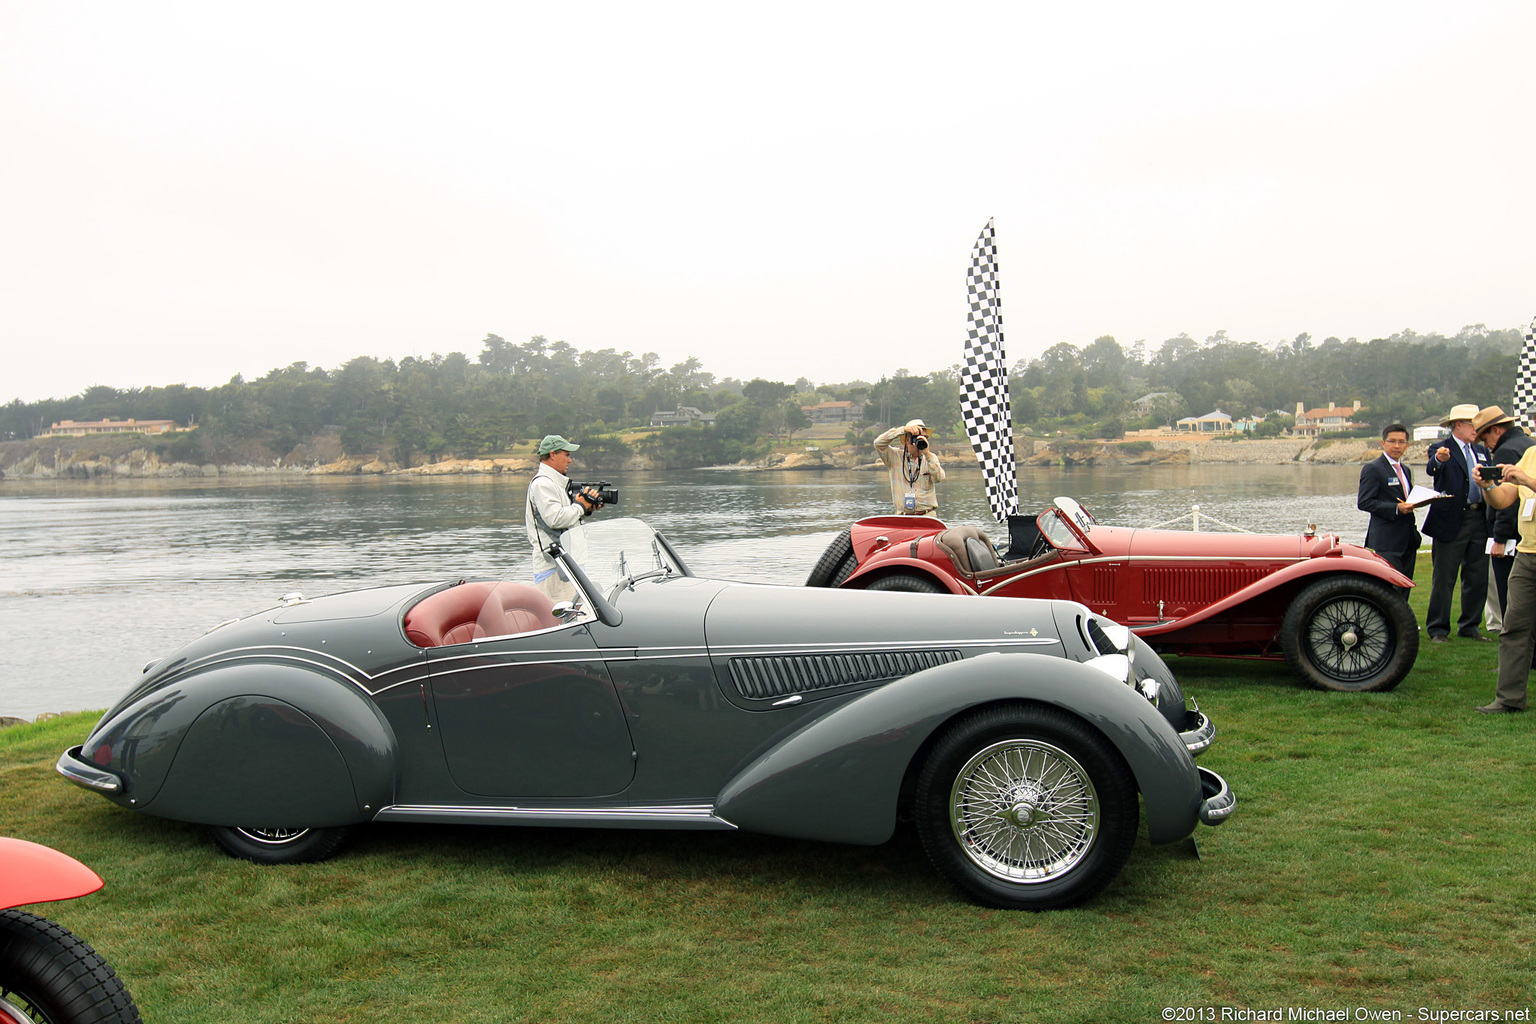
[(1119, 540)]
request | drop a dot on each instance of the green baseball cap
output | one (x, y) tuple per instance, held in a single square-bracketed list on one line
[(555, 443)]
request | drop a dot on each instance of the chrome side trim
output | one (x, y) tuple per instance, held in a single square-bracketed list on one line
[(85, 774), (701, 816)]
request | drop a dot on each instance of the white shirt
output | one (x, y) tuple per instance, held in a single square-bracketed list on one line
[(562, 516)]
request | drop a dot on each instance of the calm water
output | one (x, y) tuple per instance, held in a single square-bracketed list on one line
[(97, 579)]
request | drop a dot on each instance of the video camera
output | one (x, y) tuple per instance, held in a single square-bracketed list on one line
[(600, 491)]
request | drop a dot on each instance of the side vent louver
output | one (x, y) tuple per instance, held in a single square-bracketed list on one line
[(763, 677)]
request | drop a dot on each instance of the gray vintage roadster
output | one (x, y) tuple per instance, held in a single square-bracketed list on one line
[(1017, 734)]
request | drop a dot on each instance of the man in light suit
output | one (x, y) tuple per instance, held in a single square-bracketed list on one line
[(1458, 528), (1384, 485)]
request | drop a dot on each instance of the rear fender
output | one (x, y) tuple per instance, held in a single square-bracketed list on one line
[(878, 566), (839, 778), (253, 743)]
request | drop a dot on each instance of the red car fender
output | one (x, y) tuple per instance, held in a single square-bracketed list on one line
[(1310, 567), (30, 873), (878, 566)]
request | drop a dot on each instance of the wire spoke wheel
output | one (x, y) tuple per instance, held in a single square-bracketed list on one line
[(1026, 807), (1024, 811), (1351, 637), (1352, 633), (279, 845)]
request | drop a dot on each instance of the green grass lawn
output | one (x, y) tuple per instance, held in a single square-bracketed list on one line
[(1380, 857)]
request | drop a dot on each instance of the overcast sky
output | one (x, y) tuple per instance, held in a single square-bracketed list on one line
[(190, 191)]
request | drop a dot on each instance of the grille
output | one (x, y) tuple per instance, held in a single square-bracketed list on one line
[(1197, 586), (1104, 584), (1101, 641), (782, 675)]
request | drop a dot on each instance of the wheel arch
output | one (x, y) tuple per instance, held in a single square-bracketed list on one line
[(863, 576), (259, 741), (843, 777)]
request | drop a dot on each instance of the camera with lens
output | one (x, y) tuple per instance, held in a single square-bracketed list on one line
[(601, 491), (1492, 474), (920, 443)]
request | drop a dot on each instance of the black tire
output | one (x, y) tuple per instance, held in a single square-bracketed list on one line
[(280, 845), (835, 563), (1026, 807), (1350, 633), (51, 976), (907, 583)]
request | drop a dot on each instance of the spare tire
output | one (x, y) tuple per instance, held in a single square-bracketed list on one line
[(835, 563)]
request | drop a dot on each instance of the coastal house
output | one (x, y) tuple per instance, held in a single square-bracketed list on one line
[(1213, 422), (1322, 420), (1144, 404), (69, 428), (1429, 429), (834, 412), (685, 415)]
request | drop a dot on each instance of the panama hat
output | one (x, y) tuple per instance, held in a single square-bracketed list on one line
[(1466, 411)]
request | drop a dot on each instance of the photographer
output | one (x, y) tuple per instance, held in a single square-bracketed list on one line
[(555, 514), (914, 469)]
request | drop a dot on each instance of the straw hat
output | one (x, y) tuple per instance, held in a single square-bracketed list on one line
[(1492, 416), (1466, 411)]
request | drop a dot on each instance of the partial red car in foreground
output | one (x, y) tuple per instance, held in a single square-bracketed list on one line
[(48, 975), (1328, 608)]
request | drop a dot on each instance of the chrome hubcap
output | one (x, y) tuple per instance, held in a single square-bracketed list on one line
[(1024, 811)]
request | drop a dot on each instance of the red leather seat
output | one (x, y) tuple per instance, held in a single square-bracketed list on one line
[(470, 611)]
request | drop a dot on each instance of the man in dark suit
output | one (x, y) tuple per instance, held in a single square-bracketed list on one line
[(1505, 442), (1384, 485), (1458, 529)]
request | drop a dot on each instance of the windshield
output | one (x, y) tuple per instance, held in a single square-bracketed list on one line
[(1054, 523), (620, 548)]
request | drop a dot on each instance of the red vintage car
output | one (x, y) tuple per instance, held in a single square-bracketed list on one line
[(1330, 609)]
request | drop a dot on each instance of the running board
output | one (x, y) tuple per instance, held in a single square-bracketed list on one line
[(694, 817)]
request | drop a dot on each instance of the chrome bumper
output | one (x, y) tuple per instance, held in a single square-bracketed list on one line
[(1219, 801), (1198, 732), (85, 774)]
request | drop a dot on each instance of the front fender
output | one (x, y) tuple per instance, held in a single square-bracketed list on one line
[(256, 742), (839, 778), (1298, 573), (30, 873)]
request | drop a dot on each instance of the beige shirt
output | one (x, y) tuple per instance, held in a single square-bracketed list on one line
[(918, 477)]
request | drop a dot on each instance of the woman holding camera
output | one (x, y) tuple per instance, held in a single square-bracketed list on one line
[(914, 468)]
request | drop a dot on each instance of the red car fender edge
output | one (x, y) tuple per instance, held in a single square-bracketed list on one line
[(30, 873), (920, 566)]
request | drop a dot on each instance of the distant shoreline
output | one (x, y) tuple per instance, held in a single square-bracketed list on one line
[(95, 460)]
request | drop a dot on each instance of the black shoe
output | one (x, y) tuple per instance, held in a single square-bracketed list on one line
[(1439, 639)]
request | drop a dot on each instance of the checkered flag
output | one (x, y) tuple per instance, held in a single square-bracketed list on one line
[(984, 401), (1523, 408)]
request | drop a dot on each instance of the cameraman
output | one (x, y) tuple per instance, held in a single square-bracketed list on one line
[(554, 515), (914, 469)]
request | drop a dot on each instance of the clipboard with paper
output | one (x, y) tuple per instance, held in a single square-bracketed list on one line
[(1419, 496)]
